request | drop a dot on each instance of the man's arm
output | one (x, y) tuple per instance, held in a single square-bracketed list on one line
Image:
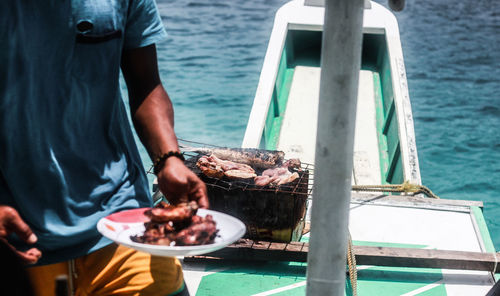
[(153, 117)]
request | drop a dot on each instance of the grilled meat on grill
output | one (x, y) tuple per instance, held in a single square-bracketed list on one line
[(237, 174), (275, 177), (257, 158), (278, 176), (209, 168), (293, 163), (214, 167)]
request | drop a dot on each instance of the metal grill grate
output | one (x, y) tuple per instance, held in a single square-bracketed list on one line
[(301, 186), (304, 185)]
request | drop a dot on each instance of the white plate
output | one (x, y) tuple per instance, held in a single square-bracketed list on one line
[(120, 226)]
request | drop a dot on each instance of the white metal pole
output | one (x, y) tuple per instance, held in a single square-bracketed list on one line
[(340, 65)]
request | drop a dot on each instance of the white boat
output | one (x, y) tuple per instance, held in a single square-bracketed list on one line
[(284, 117)]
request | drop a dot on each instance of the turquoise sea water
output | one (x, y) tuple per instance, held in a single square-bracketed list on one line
[(210, 66)]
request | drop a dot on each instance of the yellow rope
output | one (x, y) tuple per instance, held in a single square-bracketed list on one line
[(351, 262), (406, 187)]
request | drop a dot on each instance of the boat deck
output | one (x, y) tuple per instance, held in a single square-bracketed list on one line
[(298, 130), (374, 221)]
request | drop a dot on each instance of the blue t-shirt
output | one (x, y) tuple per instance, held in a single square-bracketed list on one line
[(67, 152)]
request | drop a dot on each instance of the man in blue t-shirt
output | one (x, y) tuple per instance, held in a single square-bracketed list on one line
[(67, 152)]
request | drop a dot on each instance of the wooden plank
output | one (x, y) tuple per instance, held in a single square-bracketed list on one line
[(425, 258), (277, 246), (294, 247), (260, 245), (260, 250), (367, 198), (365, 255)]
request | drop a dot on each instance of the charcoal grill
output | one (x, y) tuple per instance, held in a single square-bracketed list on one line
[(275, 213)]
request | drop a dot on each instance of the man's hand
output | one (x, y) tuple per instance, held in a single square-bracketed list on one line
[(11, 222), (180, 184)]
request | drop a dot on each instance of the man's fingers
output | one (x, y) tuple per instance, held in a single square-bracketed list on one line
[(17, 225), (31, 256), (175, 196), (10, 221), (199, 193), (32, 239), (182, 197), (182, 185), (203, 199)]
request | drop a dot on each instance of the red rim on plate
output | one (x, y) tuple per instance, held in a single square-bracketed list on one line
[(129, 216)]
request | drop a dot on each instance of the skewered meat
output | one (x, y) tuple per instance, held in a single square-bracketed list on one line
[(200, 232), (257, 158), (214, 167), (177, 225)]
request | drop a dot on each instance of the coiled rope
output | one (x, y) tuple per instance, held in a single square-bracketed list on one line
[(351, 263), (406, 187)]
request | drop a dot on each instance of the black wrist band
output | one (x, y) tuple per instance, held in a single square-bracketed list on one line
[(160, 161)]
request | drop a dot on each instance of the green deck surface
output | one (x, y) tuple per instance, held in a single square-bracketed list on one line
[(289, 278)]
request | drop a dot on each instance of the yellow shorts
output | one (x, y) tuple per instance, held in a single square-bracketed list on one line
[(113, 270)]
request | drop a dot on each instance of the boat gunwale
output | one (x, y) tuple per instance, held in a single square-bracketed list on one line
[(292, 16)]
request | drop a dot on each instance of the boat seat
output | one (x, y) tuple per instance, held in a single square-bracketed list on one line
[(298, 131)]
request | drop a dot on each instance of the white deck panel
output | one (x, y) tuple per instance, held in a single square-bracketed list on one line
[(432, 229), (366, 165), (298, 130), (445, 230)]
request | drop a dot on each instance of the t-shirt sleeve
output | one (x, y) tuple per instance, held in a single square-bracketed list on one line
[(144, 26)]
